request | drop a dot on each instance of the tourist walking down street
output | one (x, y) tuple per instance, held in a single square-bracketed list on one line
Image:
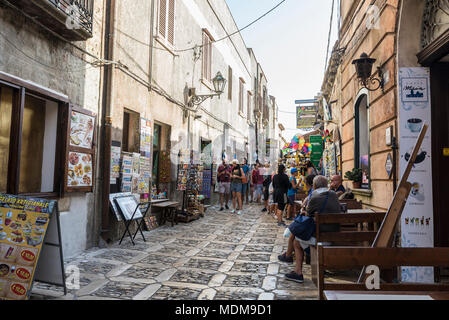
[(280, 185), (291, 194), (310, 168), (257, 179), (237, 177), (224, 184), (245, 182)]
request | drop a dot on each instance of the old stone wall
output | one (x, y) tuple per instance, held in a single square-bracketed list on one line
[(378, 40), (31, 53)]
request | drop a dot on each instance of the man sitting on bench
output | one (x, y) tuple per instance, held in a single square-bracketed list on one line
[(288, 256), (322, 201)]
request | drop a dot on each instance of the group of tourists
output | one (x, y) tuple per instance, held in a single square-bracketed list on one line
[(241, 184), (278, 190)]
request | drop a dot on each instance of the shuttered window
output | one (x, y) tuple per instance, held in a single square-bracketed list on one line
[(166, 25), (207, 57), (249, 116), (241, 95), (230, 84)]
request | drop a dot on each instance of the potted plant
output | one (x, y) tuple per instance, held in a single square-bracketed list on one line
[(355, 176)]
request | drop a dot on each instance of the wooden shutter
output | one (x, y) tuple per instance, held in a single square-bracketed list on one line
[(230, 84), (163, 17), (241, 96), (171, 22), (249, 106), (205, 56)]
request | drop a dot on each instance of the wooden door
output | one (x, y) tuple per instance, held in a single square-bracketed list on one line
[(440, 140)]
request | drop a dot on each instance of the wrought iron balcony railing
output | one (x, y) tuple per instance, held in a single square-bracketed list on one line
[(72, 19)]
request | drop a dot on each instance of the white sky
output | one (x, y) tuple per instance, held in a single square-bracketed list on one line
[(290, 44)]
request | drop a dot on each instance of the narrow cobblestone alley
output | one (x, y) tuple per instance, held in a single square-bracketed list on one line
[(221, 256)]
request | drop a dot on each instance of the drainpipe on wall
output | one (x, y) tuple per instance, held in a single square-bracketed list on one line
[(106, 129)]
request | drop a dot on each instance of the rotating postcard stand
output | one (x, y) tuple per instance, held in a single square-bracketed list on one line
[(130, 211)]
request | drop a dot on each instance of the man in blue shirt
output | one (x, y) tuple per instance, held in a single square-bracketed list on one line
[(337, 186)]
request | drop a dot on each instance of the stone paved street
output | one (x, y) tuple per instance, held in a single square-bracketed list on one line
[(221, 256)]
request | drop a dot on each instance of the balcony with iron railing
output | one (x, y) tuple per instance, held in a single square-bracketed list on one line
[(71, 19)]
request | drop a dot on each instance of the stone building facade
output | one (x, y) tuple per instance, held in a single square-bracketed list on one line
[(120, 62), (41, 75), (400, 35), (361, 116)]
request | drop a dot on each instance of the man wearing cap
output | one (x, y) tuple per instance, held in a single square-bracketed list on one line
[(291, 194)]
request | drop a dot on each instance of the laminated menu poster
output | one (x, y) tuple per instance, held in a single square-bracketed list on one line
[(81, 130), (79, 170), (23, 225)]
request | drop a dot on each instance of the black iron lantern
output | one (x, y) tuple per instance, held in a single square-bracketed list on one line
[(364, 69), (219, 83)]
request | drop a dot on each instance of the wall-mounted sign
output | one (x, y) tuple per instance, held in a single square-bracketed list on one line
[(80, 150), (417, 219), (306, 116), (415, 89), (81, 130), (446, 152), (389, 165)]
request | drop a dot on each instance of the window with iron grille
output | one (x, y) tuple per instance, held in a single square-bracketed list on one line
[(207, 56), (166, 22)]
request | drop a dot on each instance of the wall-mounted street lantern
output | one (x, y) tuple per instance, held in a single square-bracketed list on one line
[(219, 83), (364, 68)]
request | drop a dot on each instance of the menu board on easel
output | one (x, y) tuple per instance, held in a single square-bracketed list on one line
[(80, 157), (23, 228)]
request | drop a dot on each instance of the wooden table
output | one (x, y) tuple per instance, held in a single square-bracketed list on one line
[(361, 211), (168, 211), (386, 295), (158, 201)]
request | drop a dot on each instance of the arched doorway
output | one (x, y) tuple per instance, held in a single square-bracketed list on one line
[(362, 137)]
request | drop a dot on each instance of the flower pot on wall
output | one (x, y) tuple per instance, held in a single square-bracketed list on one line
[(356, 185)]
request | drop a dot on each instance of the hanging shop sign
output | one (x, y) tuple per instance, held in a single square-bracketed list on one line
[(23, 233), (417, 219), (306, 116), (80, 156), (317, 150)]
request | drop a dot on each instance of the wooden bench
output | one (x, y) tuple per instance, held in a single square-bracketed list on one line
[(362, 236), (346, 258), (352, 203)]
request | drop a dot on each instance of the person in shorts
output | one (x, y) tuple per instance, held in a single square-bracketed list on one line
[(224, 184), (257, 180), (245, 185), (237, 176), (291, 194), (322, 200)]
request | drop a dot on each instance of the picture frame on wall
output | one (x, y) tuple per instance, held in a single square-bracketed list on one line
[(128, 207)]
